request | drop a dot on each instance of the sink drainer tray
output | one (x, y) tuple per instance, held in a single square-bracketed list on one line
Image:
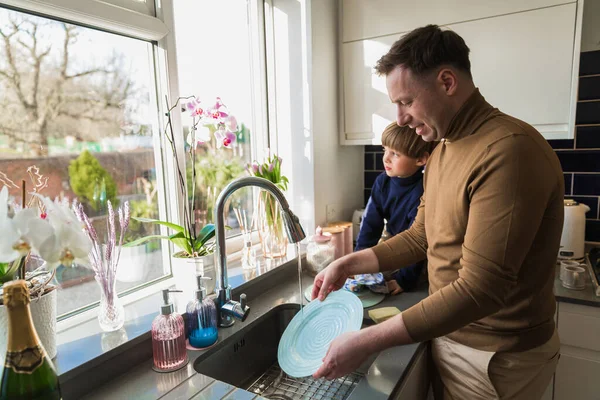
[(276, 385)]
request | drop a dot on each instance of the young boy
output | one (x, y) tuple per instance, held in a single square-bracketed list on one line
[(395, 196)]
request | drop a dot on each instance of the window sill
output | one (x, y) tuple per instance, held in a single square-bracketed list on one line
[(84, 346)]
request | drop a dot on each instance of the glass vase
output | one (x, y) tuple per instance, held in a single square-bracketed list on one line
[(271, 230), (111, 314)]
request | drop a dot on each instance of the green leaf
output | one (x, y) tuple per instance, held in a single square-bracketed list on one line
[(181, 240), (175, 227), (144, 240), (207, 233)]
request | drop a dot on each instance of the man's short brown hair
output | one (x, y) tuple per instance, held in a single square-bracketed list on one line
[(404, 140), (425, 49)]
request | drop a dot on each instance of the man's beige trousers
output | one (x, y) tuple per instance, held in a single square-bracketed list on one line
[(470, 374)]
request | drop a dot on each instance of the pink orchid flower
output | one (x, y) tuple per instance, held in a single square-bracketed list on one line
[(192, 104), (225, 138), (218, 111), (231, 123)]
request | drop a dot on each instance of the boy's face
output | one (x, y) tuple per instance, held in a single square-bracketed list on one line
[(398, 165)]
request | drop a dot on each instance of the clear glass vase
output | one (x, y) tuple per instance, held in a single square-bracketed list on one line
[(111, 314), (271, 231)]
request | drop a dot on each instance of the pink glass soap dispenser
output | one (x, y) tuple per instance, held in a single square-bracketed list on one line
[(168, 338)]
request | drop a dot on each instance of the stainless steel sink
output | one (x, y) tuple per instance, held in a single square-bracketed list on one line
[(249, 361)]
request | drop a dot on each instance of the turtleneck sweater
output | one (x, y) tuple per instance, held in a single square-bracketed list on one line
[(489, 224)]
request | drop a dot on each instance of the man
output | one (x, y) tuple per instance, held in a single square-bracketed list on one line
[(489, 224)]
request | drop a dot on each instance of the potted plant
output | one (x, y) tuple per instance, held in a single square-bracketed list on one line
[(194, 242), (46, 234)]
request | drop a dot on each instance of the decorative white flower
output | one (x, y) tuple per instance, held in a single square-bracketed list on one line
[(23, 233), (69, 244)]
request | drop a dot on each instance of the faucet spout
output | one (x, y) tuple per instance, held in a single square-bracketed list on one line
[(227, 308)]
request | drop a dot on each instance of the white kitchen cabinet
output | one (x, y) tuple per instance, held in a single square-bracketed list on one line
[(368, 19), (524, 63), (576, 378), (578, 369)]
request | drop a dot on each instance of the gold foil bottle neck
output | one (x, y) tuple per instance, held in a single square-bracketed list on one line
[(15, 293)]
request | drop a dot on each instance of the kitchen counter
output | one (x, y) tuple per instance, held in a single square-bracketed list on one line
[(383, 372), (586, 297)]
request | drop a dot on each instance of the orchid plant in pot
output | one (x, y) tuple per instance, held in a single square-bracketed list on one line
[(194, 242), (46, 232), (270, 226)]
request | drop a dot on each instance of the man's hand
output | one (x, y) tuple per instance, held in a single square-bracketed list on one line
[(331, 278), (334, 276), (346, 353)]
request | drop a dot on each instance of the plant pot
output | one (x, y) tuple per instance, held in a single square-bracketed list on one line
[(185, 271), (132, 263), (43, 314)]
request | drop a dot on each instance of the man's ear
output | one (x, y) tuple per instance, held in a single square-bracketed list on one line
[(420, 161), (448, 80)]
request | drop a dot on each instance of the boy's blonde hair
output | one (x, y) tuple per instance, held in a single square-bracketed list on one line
[(405, 141)]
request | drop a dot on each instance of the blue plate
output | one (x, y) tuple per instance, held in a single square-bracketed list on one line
[(307, 338)]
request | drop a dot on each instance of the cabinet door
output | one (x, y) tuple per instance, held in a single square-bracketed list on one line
[(368, 19), (521, 62), (366, 105), (576, 378)]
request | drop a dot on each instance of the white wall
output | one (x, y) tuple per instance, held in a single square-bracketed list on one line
[(590, 30), (338, 169), (321, 171), (290, 117)]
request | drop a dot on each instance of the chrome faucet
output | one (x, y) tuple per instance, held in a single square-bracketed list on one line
[(227, 308)]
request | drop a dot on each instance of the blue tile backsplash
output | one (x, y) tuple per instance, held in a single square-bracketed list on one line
[(579, 157)]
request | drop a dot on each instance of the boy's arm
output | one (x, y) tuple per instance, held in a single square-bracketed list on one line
[(372, 223)]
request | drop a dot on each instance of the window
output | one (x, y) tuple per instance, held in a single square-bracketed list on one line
[(88, 88), (78, 96), (214, 59)]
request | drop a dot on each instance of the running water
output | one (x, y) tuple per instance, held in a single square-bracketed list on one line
[(300, 278)]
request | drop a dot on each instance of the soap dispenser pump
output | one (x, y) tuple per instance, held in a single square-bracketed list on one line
[(168, 337), (202, 321)]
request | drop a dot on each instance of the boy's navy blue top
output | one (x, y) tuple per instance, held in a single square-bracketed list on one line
[(395, 200)]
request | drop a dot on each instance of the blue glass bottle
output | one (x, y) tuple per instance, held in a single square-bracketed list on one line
[(202, 321)]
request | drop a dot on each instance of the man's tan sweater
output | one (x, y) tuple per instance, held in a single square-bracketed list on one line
[(489, 223)]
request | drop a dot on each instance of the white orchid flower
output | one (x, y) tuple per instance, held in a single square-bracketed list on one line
[(22, 233), (202, 136), (69, 244)]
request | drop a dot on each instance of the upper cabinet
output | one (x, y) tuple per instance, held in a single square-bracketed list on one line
[(524, 58)]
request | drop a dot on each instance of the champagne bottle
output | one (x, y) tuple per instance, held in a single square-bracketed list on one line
[(28, 371)]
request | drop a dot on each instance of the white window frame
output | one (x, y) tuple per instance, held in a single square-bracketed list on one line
[(116, 19)]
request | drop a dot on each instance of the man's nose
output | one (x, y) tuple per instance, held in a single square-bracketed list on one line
[(402, 118)]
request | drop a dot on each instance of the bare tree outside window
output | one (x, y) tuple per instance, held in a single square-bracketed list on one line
[(75, 102), (51, 93)]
